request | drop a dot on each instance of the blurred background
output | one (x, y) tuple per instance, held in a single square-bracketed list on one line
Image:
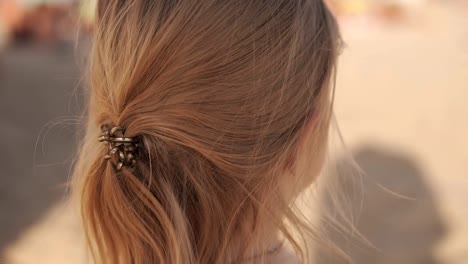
[(401, 104)]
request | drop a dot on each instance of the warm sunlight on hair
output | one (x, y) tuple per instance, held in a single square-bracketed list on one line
[(230, 101)]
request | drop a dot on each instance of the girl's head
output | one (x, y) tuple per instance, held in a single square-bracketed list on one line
[(231, 103)]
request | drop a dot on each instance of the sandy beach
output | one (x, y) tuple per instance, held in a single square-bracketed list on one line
[(401, 104)]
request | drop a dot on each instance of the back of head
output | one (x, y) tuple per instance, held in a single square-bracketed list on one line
[(220, 95)]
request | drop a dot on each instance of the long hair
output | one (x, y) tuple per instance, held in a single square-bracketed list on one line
[(225, 97)]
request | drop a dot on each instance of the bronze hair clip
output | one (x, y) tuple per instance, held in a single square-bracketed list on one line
[(124, 149)]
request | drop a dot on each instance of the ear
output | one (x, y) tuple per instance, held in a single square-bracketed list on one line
[(309, 128)]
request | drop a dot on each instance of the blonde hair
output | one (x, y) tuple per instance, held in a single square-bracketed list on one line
[(226, 96)]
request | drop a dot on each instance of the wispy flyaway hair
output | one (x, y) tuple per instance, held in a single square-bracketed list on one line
[(226, 97)]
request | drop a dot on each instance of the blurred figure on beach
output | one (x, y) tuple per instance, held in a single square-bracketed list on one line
[(392, 11), (10, 16), (37, 21)]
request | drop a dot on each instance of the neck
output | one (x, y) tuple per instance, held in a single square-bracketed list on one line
[(263, 242), (259, 234)]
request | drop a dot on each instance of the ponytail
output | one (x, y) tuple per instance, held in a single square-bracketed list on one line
[(130, 217), (219, 95)]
